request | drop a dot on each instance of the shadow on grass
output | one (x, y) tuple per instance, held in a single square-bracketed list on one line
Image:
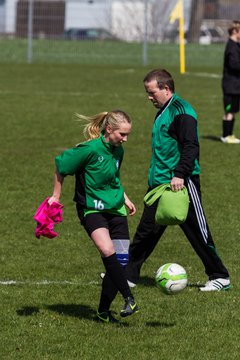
[(210, 137), (195, 285), (150, 282), (28, 311), (79, 311), (82, 312), (76, 310), (147, 281)]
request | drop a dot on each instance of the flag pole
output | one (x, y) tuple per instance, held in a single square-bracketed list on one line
[(181, 42), (177, 14)]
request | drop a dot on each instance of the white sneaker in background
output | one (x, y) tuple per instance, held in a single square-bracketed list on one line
[(230, 139), (130, 284)]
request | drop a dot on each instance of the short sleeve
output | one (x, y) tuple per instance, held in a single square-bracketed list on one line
[(71, 160)]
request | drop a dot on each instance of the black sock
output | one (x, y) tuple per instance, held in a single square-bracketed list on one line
[(109, 292), (227, 128), (117, 274), (232, 126)]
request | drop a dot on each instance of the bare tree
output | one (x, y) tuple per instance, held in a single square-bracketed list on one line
[(129, 17), (127, 20), (197, 13)]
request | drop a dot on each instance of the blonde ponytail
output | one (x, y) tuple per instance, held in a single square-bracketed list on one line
[(97, 123), (94, 124)]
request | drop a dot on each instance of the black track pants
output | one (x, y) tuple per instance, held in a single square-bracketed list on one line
[(195, 228)]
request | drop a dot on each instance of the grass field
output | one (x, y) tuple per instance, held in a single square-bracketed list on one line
[(108, 53), (49, 289)]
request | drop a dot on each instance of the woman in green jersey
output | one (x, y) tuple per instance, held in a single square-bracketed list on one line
[(100, 198)]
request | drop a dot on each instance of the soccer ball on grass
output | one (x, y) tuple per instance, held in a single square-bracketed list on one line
[(171, 278)]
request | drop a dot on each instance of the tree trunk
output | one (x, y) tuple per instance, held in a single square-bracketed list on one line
[(197, 13)]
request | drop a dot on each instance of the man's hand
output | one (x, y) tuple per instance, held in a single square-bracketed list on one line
[(177, 183)]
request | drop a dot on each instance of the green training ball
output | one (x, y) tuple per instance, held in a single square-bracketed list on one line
[(171, 278)]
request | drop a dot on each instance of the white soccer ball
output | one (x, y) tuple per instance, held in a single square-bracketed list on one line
[(171, 278)]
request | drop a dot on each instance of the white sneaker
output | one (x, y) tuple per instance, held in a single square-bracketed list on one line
[(102, 275), (216, 285), (130, 284), (230, 139)]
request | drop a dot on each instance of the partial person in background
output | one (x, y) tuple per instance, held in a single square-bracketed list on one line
[(231, 83), (100, 198)]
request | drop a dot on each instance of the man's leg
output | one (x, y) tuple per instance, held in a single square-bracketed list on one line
[(145, 239), (197, 231), (231, 106), (227, 126)]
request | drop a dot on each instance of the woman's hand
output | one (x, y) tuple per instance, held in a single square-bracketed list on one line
[(57, 188), (53, 199), (130, 205)]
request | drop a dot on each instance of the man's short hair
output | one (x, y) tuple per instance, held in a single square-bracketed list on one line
[(235, 26), (163, 78)]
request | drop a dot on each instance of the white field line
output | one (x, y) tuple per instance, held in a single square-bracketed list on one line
[(208, 75), (47, 282), (64, 93)]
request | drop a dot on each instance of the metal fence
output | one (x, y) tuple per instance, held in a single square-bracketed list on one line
[(107, 31)]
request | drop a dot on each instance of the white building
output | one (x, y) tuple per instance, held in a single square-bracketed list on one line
[(124, 18)]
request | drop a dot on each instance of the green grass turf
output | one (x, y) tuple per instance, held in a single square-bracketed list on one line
[(49, 312), (108, 52)]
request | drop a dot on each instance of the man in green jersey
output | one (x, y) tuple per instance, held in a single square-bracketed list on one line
[(100, 198), (175, 160)]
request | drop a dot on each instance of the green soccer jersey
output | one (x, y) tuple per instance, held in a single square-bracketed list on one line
[(175, 147), (96, 165)]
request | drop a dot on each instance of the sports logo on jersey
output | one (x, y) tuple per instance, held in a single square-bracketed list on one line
[(100, 159)]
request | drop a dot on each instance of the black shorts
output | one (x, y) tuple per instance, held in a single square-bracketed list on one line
[(231, 103), (117, 225)]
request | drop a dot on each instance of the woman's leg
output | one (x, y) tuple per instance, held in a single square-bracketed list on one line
[(115, 277), (104, 244)]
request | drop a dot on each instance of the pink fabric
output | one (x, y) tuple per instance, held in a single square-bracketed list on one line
[(47, 216)]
